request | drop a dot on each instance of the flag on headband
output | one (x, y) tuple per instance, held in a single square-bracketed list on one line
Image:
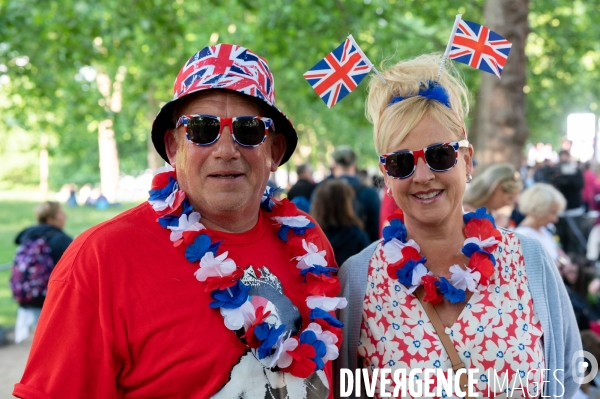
[(340, 72), (479, 47)]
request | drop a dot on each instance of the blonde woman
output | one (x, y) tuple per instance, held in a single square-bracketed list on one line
[(438, 273), (541, 204), (496, 188)]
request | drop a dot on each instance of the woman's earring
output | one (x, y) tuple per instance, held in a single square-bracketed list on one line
[(469, 178), (389, 193)]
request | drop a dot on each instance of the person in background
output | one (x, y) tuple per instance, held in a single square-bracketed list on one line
[(496, 188), (541, 204), (301, 192), (443, 282), (591, 343), (543, 171), (333, 211), (367, 203), (589, 187), (51, 221), (567, 178)]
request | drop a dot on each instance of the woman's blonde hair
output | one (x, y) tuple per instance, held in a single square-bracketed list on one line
[(537, 200), (391, 123), (484, 184)]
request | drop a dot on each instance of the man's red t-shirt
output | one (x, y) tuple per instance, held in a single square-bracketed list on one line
[(126, 318)]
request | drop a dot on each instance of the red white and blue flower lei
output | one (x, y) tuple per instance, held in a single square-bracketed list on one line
[(407, 266), (300, 355)]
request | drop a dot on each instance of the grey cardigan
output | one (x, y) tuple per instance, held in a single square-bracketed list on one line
[(551, 302)]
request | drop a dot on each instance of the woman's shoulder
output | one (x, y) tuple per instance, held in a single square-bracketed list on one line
[(361, 259), (521, 238)]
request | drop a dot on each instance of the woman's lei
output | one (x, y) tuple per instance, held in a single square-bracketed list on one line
[(407, 266), (300, 355)]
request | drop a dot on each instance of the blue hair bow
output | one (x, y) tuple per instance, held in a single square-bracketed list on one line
[(430, 90)]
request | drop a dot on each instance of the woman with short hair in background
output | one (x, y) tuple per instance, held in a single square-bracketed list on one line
[(333, 211), (541, 204)]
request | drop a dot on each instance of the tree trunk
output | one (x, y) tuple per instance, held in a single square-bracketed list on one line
[(499, 128), (44, 166), (109, 160), (155, 161)]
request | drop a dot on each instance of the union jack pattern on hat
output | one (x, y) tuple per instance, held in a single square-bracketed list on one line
[(228, 67)]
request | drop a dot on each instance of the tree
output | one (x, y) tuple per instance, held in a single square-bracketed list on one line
[(48, 51), (499, 125)]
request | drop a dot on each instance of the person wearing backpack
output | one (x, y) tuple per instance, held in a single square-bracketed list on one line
[(40, 248)]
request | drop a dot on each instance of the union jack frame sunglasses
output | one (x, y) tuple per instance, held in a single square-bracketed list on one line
[(205, 130), (438, 157)]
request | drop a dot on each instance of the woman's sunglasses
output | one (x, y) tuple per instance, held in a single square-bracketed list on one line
[(247, 131), (438, 157)]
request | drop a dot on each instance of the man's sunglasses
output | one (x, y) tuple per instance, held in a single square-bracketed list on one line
[(247, 131), (438, 157)]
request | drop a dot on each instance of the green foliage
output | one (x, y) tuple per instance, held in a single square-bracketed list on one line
[(52, 94)]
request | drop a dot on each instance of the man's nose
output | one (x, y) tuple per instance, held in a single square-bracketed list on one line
[(226, 147)]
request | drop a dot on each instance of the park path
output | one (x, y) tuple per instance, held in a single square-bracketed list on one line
[(12, 363)]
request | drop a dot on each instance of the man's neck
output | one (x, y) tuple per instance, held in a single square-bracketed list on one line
[(229, 222)]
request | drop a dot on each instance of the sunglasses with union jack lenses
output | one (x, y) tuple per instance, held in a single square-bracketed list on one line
[(438, 157), (205, 130)]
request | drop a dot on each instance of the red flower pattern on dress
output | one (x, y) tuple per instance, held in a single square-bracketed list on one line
[(497, 330)]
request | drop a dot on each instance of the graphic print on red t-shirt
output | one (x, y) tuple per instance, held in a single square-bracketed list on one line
[(267, 291)]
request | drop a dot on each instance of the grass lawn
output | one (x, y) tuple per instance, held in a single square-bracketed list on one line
[(17, 215)]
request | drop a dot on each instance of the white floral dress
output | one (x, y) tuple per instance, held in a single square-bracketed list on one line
[(498, 330)]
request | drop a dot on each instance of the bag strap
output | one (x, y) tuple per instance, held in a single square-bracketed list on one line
[(438, 325)]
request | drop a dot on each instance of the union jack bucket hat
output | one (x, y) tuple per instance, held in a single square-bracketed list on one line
[(228, 67)]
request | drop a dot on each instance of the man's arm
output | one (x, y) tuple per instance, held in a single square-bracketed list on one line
[(71, 357)]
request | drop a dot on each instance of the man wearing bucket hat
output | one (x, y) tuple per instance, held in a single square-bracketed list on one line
[(210, 289)]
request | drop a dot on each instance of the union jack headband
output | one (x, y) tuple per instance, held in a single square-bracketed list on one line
[(430, 90)]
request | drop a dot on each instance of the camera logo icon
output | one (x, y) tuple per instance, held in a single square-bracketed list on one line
[(581, 362)]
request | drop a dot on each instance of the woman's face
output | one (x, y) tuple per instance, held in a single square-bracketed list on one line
[(550, 217), (414, 194), (500, 198)]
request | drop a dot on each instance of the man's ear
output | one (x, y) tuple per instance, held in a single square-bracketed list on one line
[(170, 146), (278, 146)]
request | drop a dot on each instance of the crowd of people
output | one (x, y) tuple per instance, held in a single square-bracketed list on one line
[(216, 288)]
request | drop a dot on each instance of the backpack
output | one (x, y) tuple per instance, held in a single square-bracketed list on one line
[(31, 271)]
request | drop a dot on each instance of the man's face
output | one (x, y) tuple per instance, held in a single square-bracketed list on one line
[(224, 180)]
